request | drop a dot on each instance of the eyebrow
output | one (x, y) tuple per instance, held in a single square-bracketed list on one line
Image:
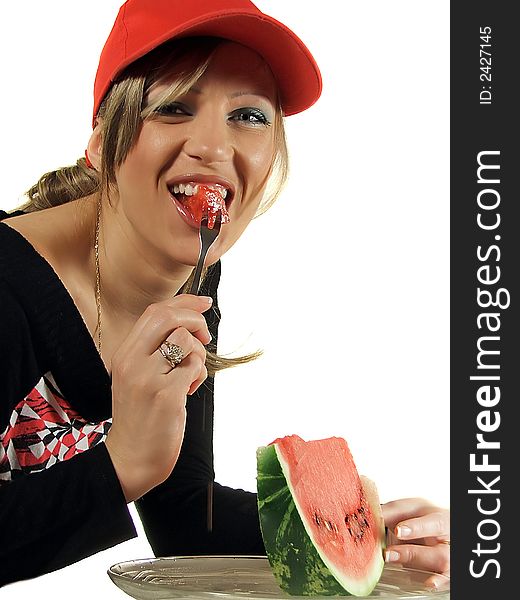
[(197, 90)]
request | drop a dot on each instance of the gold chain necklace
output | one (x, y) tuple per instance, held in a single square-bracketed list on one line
[(98, 276)]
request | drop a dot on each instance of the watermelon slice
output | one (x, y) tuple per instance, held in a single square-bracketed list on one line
[(323, 529)]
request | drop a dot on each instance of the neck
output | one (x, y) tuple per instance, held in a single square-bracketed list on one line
[(133, 273)]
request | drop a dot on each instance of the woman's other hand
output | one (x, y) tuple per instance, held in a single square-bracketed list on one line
[(418, 537), (149, 396)]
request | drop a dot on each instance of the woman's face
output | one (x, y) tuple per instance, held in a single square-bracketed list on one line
[(219, 133)]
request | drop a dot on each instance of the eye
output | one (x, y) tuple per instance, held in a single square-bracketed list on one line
[(254, 116), (172, 109)]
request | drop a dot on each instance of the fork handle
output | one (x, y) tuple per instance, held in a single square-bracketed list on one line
[(196, 277)]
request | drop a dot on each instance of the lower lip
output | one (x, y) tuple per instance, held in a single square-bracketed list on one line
[(186, 215)]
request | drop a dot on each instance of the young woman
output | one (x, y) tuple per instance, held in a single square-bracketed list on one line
[(94, 271)]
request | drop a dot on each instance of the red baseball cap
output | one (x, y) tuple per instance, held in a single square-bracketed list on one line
[(142, 25)]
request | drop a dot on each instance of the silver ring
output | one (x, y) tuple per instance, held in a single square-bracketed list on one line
[(172, 353)]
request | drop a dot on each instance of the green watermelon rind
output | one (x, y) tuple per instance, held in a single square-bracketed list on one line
[(294, 561), (297, 564)]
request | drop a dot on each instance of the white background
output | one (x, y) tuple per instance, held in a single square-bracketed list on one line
[(351, 310)]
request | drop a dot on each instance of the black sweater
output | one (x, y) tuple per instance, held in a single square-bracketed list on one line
[(74, 507)]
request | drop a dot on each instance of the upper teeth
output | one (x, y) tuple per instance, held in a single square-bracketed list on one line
[(191, 189)]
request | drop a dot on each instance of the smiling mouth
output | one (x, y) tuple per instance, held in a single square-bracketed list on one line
[(191, 189), (183, 191), (202, 203)]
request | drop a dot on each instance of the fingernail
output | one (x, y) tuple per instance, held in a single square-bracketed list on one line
[(208, 299), (391, 556), (402, 531)]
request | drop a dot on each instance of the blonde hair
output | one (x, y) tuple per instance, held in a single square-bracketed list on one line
[(122, 114)]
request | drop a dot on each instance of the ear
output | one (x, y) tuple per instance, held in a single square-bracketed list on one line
[(95, 147)]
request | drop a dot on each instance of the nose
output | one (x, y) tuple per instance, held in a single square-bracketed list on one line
[(209, 138)]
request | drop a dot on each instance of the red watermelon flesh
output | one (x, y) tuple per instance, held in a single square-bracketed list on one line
[(341, 517), (207, 203)]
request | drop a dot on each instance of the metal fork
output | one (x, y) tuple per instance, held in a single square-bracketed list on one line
[(207, 236)]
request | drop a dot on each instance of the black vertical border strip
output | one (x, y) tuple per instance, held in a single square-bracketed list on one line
[(487, 539)]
